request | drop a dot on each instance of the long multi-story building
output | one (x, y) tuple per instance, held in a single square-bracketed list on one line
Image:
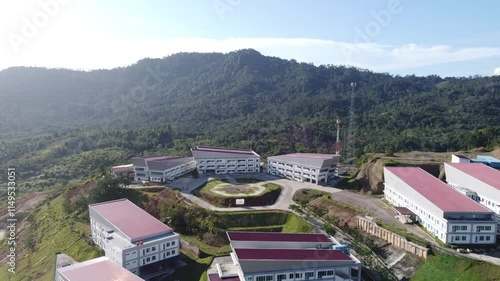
[(99, 269), (304, 166), (270, 256), (443, 211), (477, 181), (133, 238), (215, 160), (161, 168)]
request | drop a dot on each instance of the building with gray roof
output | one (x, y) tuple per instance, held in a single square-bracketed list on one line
[(216, 160), (304, 166), (161, 168)]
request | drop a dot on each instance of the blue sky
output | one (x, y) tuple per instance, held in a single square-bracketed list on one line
[(448, 38)]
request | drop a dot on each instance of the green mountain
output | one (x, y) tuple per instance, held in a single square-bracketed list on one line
[(59, 124)]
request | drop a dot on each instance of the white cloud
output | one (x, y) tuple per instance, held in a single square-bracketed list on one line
[(496, 71), (87, 51)]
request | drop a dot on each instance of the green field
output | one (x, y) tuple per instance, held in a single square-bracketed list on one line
[(53, 233), (444, 267)]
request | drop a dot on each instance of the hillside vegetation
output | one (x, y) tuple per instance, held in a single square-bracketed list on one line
[(57, 125)]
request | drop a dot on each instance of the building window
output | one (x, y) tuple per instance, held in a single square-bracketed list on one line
[(464, 238), (173, 243), (309, 275), (173, 252), (249, 278), (488, 238), (153, 248), (481, 238), (280, 277), (153, 258), (480, 228), (290, 276), (298, 275)]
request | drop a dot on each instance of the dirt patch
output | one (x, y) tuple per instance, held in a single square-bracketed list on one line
[(343, 216), (25, 205), (74, 193)]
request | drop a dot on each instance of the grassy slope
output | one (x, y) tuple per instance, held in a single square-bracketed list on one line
[(54, 233), (445, 267)]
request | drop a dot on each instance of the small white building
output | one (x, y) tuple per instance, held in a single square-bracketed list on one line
[(99, 269), (264, 256), (304, 166), (457, 158), (443, 211), (216, 160), (133, 238), (161, 168), (479, 182)]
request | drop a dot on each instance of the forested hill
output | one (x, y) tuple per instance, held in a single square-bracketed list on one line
[(246, 99)]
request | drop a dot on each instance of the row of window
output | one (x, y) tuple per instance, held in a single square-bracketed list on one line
[(153, 249), (298, 275), (154, 258), (228, 161)]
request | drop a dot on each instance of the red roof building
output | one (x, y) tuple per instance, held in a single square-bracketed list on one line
[(446, 213)]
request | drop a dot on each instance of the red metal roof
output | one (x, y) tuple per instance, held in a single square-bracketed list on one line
[(130, 219), (481, 172), (215, 277), (98, 270), (436, 191), (309, 155), (291, 254), (276, 236), (225, 150), (404, 211)]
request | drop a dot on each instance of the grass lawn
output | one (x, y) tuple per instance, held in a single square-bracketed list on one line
[(207, 189), (54, 233), (445, 267), (296, 224), (307, 195)]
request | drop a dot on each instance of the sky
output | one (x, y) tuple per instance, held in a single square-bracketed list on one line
[(400, 37)]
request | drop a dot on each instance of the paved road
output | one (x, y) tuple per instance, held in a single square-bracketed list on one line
[(282, 203), (380, 210)]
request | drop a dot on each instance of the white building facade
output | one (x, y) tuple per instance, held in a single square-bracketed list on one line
[(215, 160), (477, 181), (161, 168), (444, 212), (302, 167), (132, 238)]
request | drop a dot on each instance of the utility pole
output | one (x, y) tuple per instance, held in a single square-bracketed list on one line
[(350, 129), (337, 144)]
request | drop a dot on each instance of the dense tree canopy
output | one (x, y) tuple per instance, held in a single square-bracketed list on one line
[(58, 123)]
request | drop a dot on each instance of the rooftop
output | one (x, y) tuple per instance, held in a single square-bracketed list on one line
[(133, 221), (276, 236), (100, 269), (160, 163), (308, 156), (207, 152), (291, 254), (309, 159), (482, 172), (404, 211), (437, 192)]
